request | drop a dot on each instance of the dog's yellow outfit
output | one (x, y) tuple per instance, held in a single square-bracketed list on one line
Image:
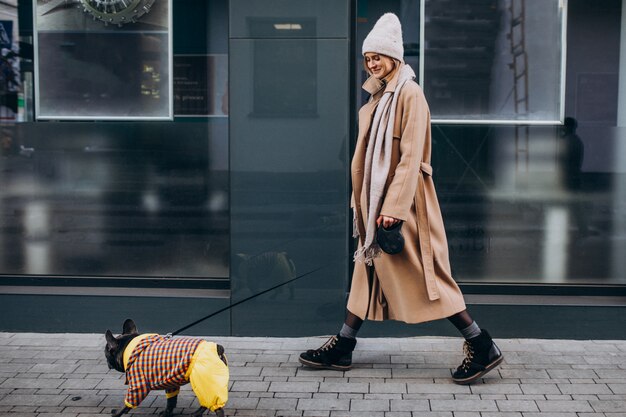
[(154, 362)]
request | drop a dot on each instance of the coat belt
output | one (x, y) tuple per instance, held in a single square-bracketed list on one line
[(423, 226)]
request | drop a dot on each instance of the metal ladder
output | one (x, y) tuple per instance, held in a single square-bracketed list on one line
[(519, 65)]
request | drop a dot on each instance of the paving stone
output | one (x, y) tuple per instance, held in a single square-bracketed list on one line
[(463, 405), (110, 383), (344, 387), (276, 378), (325, 395), (57, 415), (288, 413), (618, 388), (585, 397), (24, 408), (304, 395), (421, 373), (544, 389), (550, 414), (516, 405), (410, 405), (560, 397), (564, 406), (245, 371), (277, 371), (250, 386), (524, 373), (611, 373), (389, 396), (10, 369), (428, 396), (387, 387), (492, 397), (500, 414), (544, 381), (621, 414), (302, 371), (84, 410), (294, 387), (270, 358), (32, 400), (277, 404), (350, 396), (305, 379), (260, 394), (48, 409), (325, 404), (24, 391), (609, 406), (584, 389), (256, 413), (368, 373), (572, 373), (315, 413), (85, 383), (49, 391), (369, 405), (90, 400), (437, 389), (49, 368), (496, 389), (31, 383)]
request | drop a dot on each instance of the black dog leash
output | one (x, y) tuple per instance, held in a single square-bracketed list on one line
[(182, 329)]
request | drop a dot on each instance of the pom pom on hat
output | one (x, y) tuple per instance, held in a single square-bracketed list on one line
[(385, 38)]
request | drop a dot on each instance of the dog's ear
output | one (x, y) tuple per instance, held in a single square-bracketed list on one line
[(129, 327), (111, 340)]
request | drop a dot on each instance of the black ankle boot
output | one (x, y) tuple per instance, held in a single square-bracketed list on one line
[(335, 354), (481, 356)]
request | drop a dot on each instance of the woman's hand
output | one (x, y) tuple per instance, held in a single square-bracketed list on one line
[(386, 221)]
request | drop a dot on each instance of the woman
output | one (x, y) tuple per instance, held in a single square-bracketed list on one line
[(391, 182)]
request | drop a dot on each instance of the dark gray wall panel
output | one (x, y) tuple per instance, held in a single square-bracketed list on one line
[(289, 187), (317, 19), (90, 314)]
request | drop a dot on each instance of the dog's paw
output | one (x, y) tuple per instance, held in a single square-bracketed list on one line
[(123, 411), (166, 413)]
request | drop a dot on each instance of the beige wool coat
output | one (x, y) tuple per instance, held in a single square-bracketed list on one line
[(415, 285)]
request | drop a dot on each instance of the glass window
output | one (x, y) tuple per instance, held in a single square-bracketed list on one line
[(127, 199), (103, 60), (493, 60), (525, 203)]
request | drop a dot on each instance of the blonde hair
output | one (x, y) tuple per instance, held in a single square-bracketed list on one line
[(396, 63)]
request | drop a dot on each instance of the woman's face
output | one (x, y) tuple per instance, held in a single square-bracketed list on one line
[(378, 65)]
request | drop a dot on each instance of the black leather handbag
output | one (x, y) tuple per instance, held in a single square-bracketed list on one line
[(390, 239)]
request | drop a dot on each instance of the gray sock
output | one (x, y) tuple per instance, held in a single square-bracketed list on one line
[(348, 332), (471, 331)]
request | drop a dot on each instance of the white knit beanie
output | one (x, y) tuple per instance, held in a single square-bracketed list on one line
[(385, 38)]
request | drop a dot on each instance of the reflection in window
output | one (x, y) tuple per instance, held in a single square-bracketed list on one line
[(493, 59)]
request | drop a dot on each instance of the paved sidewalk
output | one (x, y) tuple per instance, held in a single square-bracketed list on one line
[(51, 375)]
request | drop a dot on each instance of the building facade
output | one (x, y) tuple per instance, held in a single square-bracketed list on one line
[(195, 155)]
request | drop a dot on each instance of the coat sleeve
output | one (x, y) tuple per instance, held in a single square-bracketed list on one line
[(414, 121)]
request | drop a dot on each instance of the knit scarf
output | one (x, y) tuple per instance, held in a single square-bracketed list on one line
[(377, 164)]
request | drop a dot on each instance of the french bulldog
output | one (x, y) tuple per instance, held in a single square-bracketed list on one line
[(154, 362)]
